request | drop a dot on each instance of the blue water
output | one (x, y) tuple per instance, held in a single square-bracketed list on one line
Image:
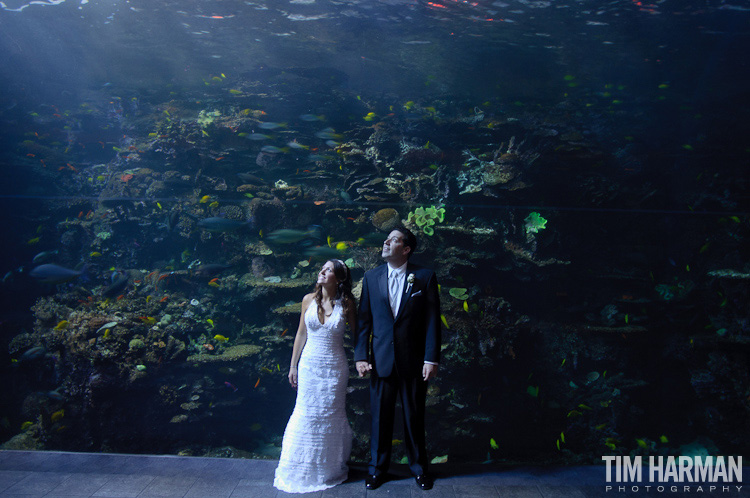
[(621, 323)]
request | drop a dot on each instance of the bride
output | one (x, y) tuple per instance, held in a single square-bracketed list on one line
[(318, 439)]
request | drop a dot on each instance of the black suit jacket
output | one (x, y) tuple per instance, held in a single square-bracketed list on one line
[(406, 341)]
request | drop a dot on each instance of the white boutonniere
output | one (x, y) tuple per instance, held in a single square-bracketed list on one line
[(410, 280)]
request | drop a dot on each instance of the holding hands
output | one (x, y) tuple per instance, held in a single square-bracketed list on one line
[(363, 367)]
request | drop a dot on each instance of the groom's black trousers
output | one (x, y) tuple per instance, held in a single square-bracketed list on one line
[(383, 394)]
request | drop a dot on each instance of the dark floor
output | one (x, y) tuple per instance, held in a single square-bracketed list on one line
[(83, 475)]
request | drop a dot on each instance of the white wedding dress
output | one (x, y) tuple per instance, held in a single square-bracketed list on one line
[(318, 439)]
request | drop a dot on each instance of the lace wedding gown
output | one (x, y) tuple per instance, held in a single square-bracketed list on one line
[(318, 440)]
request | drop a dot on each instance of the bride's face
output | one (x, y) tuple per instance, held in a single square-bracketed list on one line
[(326, 275)]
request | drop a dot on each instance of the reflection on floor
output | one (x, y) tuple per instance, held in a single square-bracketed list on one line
[(99, 475)]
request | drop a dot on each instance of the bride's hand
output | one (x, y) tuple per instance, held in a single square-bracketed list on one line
[(293, 377)]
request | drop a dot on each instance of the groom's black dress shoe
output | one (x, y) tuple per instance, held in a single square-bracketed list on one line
[(374, 481), (424, 481)]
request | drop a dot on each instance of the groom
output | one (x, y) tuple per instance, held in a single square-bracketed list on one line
[(399, 311)]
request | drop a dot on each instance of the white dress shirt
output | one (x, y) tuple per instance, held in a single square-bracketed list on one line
[(399, 274)]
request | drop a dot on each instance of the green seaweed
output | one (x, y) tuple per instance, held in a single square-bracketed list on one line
[(534, 222), (458, 293), (426, 218)]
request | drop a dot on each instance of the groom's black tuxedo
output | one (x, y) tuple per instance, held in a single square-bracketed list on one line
[(400, 347)]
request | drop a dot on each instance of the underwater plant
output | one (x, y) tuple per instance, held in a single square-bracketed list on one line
[(426, 218), (534, 222), (458, 293)]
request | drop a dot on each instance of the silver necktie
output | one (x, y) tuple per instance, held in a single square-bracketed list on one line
[(393, 291)]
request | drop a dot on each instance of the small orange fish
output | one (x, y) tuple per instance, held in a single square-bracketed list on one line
[(214, 280), (318, 203), (30, 155), (284, 333), (80, 214), (257, 383), (163, 299), (162, 277), (220, 158), (120, 296)]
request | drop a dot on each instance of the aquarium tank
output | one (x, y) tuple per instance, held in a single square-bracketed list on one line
[(175, 174)]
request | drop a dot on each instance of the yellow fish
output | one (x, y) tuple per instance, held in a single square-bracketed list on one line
[(329, 239), (205, 199), (249, 195), (214, 284), (409, 105), (214, 204), (148, 298), (562, 437), (57, 415), (370, 116), (445, 322), (235, 92), (95, 254), (466, 306), (221, 338), (158, 205), (558, 445), (26, 425), (149, 320), (33, 241), (641, 443), (341, 246), (663, 439), (396, 442), (205, 133), (106, 333), (62, 325), (210, 322), (493, 444)]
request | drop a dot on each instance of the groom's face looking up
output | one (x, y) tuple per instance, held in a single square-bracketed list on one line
[(395, 251)]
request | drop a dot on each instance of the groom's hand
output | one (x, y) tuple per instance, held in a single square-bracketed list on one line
[(429, 371), (363, 367)]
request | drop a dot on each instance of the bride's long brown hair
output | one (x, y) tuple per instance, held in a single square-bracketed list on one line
[(343, 289)]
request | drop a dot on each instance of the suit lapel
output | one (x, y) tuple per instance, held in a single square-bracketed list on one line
[(383, 286), (406, 293)]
